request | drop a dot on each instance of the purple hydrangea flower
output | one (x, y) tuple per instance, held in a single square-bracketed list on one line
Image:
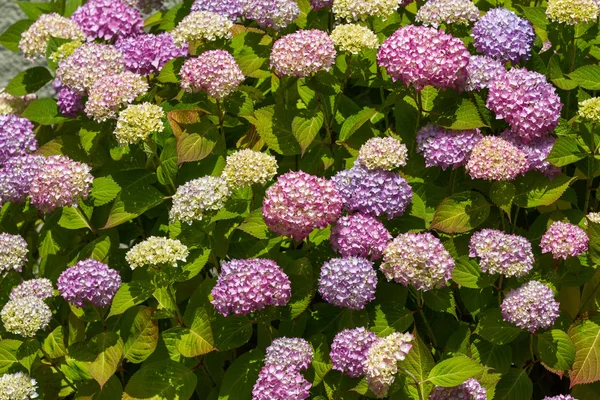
[(320, 4), (108, 20), (349, 351), (417, 259), (496, 159), (89, 282), (232, 9), (421, 56), (530, 307), (13, 253), (290, 353), (147, 54), (16, 137), (564, 240), (276, 382), (359, 235), (245, 286), (70, 102), (560, 397), (16, 177), (298, 203), (40, 288), (274, 14), (214, 71), (348, 282), (471, 389), (374, 192), (502, 35), (500, 253), (482, 71), (302, 53), (537, 150), (444, 148)]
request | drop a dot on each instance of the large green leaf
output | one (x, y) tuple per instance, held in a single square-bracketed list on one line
[(241, 376), (140, 334), (44, 111), (461, 212), (566, 151), (198, 339), (28, 81), (496, 356), (354, 122), (585, 335), (54, 344), (306, 127), (418, 364), (12, 36), (588, 77), (231, 332), (535, 190), (556, 350), (494, 329), (454, 371), (273, 124), (92, 391), (514, 385), (104, 190), (108, 348), (129, 295), (197, 142), (161, 380), (468, 274), (8, 354), (457, 113), (131, 202)]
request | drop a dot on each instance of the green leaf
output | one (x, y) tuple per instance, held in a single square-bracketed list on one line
[(44, 111), (321, 362), (161, 380), (241, 376), (354, 122), (8, 354), (274, 127), (168, 169), (585, 335), (587, 77), (34, 10), (104, 190), (196, 261), (140, 334), (54, 344), (99, 249), (12, 36), (454, 371), (418, 363), (92, 391), (496, 356), (536, 190), (458, 114), (108, 347), (468, 274), (566, 151), (300, 273), (461, 212), (231, 332), (514, 385), (593, 230), (306, 127), (73, 218), (494, 329), (51, 47), (556, 350), (129, 295), (254, 225), (28, 353), (502, 195), (440, 300), (198, 339), (536, 15), (28, 81), (170, 71), (131, 202), (197, 142)]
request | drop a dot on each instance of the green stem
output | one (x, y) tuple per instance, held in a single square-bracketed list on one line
[(86, 219), (420, 303), (499, 288)]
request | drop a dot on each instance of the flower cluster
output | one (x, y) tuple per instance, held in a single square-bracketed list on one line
[(145, 6), (202, 26), (320, 4), (374, 192), (437, 12), (471, 389), (147, 54), (16, 137), (417, 259), (590, 109), (70, 102), (298, 203), (496, 159), (359, 235), (526, 101), (108, 20), (420, 56), (198, 197), (500, 253), (502, 35), (293, 353), (564, 240), (40, 288), (137, 122), (482, 71), (354, 38), (10, 104), (18, 386), (302, 53), (531, 307), (573, 12), (247, 167), (536, 150), (13, 253), (560, 397), (594, 217), (89, 282), (156, 251), (349, 351), (444, 148), (214, 71), (35, 39), (16, 177), (348, 282), (276, 14), (60, 182), (382, 152), (108, 94), (381, 365), (232, 9), (25, 316), (65, 50), (360, 10), (245, 286)]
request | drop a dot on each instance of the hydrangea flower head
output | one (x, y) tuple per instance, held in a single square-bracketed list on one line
[(502, 35), (496, 159), (108, 20), (35, 39), (302, 53), (531, 307), (590, 109), (89, 282), (382, 153), (417, 259), (247, 167), (10, 104), (349, 351), (214, 71), (320, 4), (107, 95), (354, 38), (594, 217), (202, 26), (25, 316), (360, 10), (13, 253), (41, 288), (231, 9), (298, 203), (482, 71), (70, 102), (275, 14), (560, 397), (18, 386), (471, 389), (16, 177), (348, 282), (420, 56), (276, 382), (537, 151), (500, 253), (137, 122), (292, 353), (359, 235), (16, 137), (564, 240), (245, 286), (156, 251), (572, 12), (444, 148), (199, 197), (381, 365), (147, 54), (437, 12)]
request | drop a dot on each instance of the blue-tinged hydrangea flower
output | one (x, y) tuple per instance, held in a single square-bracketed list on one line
[(298, 203), (292, 353), (35, 39), (247, 167), (482, 71), (16, 137), (375, 192), (25, 316), (137, 122), (420, 56), (564, 240), (13, 253), (18, 386), (348, 282), (147, 54), (349, 351), (214, 71), (10, 104), (537, 150), (437, 12), (145, 6), (231, 9), (16, 177), (502, 35), (320, 4), (89, 282), (70, 102), (382, 153), (276, 14), (41, 288), (572, 12), (276, 382), (590, 109), (359, 235), (245, 286), (202, 26), (360, 10), (560, 397), (109, 94), (530, 307), (471, 389), (156, 251), (444, 148), (500, 253), (108, 20), (197, 198), (496, 159), (354, 38), (381, 365), (302, 53), (417, 259)]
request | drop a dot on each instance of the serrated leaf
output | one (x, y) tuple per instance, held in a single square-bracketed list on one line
[(556, 350), (306, 127), (129, 295), (389, 317), (108, 347), (440, 300), (161, 380), (301, 276), (73, 218), (12, 36), (593, 231), (197, 142), (140, 335), (231, 332), (54, 344), (496, 356), (195, 262), (254, 224), (321, 362), (8, 353), (566, 151), (494, 329), (131, 202), (536, 190), (502, 195), (28, 353), (587, 77), (28, 81), (457, 114), (98, 249), (454, 371), (43, 111), (585, 335), (241, 376), (514, 385), (104, 190), (354, 122), (273, 124), (468, 274), (418, 363), (92, 391), (198, 339), (461, 212)]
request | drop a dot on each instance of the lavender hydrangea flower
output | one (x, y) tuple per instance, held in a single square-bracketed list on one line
[(16, 137), (89, 282), (496, 159), (500, 253), (245, 286), (471, 389), (560, 397), (531, 307), (320, 4), (202, 26), (298, 203), (360, 10), (382, 152), (359, 235), (108, 20), (381, 365), (276, 14), (373, 192), (348, 282), (290, 353), (109, 94), (197, 198), (526, 101), (502, 35), (564, 240), (40, 288), (231, 9), (417, 259), (35, 39), (572, 12), (25, 316), (444, 148), (420, 56), (275, 382), (349, 351), (70, 102), (18, 386), (482, 71), (147, 54), (437, 12), (537, 151), (13, 253), (302, 53), (156, 251), (16, 177), (214, 71), (10, 104)]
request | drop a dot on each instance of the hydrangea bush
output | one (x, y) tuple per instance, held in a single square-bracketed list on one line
[(301, 199)]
